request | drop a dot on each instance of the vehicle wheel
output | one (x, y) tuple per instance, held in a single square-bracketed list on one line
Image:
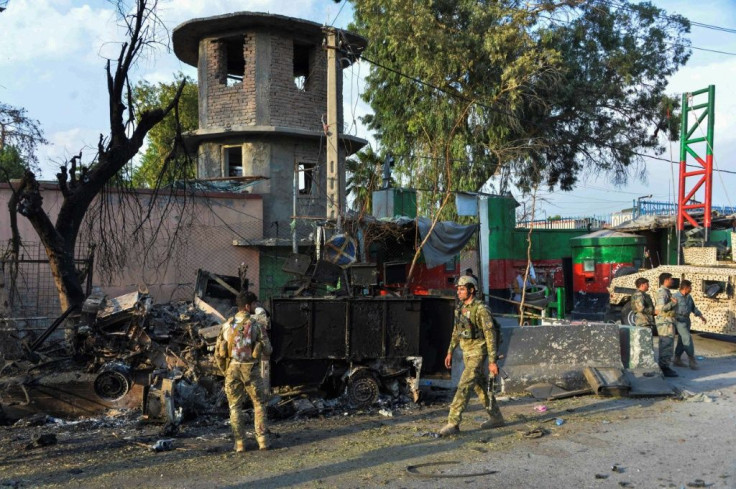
[(623, 271), (362, 389), (628, 316)]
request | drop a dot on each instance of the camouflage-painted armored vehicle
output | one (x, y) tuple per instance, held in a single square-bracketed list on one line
[(714, 284)]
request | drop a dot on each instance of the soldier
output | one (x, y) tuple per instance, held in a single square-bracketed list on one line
[(665, 310), (475, 333), (242, 342), (642, 304), (685, 307)]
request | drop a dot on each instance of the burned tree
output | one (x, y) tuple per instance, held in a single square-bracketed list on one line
[(80, 184)]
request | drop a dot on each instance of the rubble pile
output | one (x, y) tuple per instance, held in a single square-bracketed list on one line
[(130, 353), (156, 359)]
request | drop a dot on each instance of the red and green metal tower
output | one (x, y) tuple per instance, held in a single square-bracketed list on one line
[(694, 144)]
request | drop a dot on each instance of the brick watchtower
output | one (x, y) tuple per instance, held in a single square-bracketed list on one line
[(262, 107)]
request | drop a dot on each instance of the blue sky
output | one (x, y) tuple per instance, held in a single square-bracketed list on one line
[(53, 53)]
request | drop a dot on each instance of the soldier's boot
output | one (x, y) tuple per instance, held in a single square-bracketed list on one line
[(678, 362), (495, 419), (263, 443), (449, 429), (693, 363), (239, 446), (668, 372)]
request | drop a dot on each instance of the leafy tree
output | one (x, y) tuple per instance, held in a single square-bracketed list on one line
[(11, 163), (548, 90), (19, 137), (364, 176), (154, 168)]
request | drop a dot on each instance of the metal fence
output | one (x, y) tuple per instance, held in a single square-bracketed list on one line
[(589, 222), (29, 296)]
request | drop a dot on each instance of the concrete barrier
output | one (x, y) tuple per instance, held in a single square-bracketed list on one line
[(557, 353), (637, 348)]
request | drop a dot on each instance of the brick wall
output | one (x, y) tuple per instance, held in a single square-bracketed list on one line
[(290, 106), (229, 105), (287, 105)]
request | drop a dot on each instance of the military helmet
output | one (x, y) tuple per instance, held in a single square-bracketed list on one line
[(467, 280)]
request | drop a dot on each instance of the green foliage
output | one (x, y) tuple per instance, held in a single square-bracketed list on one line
[(542, 91), (161, 138), (11, 163), (364, 176), (19, 137)]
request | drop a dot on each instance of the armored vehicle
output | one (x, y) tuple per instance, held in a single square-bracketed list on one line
[(712, 290)]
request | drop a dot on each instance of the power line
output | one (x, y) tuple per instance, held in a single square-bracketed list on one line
[(677, 44), (672, 17), (510, 114)]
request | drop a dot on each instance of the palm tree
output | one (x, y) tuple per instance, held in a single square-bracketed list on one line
[(364, 176)]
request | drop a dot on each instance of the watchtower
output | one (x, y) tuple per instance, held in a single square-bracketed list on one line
[(262, 108)]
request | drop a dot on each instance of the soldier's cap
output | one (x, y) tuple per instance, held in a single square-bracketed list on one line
[(466, 280)]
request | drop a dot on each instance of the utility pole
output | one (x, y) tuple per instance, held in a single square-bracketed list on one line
[(335, 193)]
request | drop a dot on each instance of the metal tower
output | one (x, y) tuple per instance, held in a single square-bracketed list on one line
[(693, 144)]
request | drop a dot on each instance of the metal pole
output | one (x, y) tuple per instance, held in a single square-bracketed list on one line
[(709, 159), (683, 163), (294, 246)]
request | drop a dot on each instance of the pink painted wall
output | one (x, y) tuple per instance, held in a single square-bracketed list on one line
[(209, 223)]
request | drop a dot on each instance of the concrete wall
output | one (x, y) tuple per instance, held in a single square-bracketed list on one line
[(208, 224), (274, 157)]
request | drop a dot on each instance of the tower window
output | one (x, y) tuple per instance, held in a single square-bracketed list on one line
[(233, 60), (306, 178), (233, 164), (302, 52)]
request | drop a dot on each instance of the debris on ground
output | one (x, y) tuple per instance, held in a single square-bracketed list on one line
[(537, 432), (698, 483), (701, 397), (41, 441), (163, 445)]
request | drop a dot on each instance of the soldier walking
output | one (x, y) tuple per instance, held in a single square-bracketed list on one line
[(474, 332), (665, 321), (685, 307), (242, 342)]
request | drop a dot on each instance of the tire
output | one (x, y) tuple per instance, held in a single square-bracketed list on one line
[(535, 293), (623, 271), (627, 315), (362, 389)]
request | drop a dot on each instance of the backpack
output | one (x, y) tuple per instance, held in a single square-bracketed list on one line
[(496, 324), (239, 344)]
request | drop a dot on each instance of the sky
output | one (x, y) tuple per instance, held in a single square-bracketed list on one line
[(53, 52)]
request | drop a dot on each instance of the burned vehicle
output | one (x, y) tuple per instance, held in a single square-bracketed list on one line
[(354, 344), (115, 352), (712, 290), (359, 344)]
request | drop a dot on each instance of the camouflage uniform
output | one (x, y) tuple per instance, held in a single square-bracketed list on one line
[(685, 306), (244, 340), (474, 332), (643, 306), (665, 321)]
